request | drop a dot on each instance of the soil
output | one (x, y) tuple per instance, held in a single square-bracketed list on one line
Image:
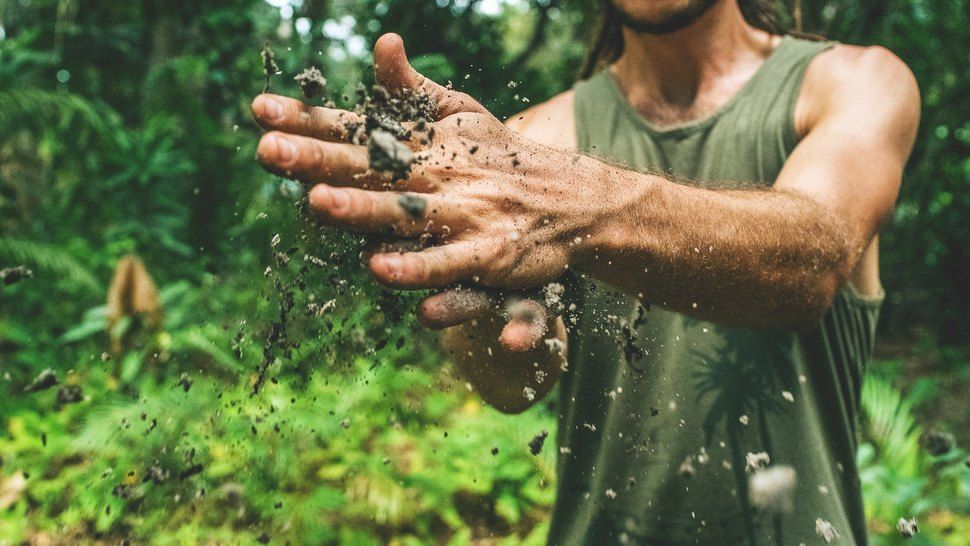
[(69, 394), (388, 155), (938, 443), (311, 81), (44, 380), (12, 275), (414, 205), (270, 67), (537, 442)]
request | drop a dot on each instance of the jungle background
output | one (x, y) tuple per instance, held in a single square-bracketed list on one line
[(125, 130)]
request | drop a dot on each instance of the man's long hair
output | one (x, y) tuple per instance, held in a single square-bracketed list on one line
[(607, 43)]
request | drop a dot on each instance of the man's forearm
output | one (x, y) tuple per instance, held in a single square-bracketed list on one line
[(761, 257)]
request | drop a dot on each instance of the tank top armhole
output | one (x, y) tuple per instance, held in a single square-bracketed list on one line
[(790, 136)]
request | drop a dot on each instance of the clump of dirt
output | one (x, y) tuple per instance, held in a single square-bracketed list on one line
[(388, 155), (414, 205), (311, 81), (185, 382), (12, 275), (390, 112), (69, 394), (938, 443), (390, 120), (44, 380), (537, 442), (826, 530), (772, 489), (270, 68), (908, 528)]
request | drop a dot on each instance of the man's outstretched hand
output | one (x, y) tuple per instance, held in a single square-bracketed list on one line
[(500, 205)]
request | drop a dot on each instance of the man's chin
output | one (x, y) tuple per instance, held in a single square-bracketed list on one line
[(664, 23)]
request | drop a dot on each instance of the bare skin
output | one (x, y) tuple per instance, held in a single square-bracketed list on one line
[(761, 258)]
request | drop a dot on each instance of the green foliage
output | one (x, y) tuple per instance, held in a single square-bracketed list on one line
[(124, 128), (900, 479)]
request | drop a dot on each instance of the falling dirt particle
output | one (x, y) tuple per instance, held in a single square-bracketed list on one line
[(825, 530), (414, 205), (474, 149), (155, 474), (494, 451), (756, 461), (190, 471), (270, 67), (536, 443), (686, 468), (907, 527), (938, 443), (263, 538), (185, 382), (11, 275), (773, 489), (44, 380), (311, 82), (388, 155), (69, 394), (553, 294), (529, 393), (43, 439)]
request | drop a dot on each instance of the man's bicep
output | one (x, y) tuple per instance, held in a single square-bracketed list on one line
[(851, 160)]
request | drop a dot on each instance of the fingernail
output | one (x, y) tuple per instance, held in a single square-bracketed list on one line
[(285, 149), (339, 199), (272, 109), (394, 264)]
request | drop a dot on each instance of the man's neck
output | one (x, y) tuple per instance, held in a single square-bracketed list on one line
[(693, 70)]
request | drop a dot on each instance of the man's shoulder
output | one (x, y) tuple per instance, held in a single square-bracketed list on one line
[(849, 74), (551, 123)]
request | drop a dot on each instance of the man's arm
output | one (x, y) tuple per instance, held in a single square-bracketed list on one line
[(772, 258)]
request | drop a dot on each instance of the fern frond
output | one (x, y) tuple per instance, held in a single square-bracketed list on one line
[(49, 259), (890, 424), (39, 109)]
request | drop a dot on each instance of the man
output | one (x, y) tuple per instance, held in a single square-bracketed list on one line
[(720, 260)]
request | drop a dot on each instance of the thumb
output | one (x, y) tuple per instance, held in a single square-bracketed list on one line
[(394, 72)]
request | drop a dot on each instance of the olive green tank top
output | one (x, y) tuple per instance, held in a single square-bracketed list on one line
[(664, 418)]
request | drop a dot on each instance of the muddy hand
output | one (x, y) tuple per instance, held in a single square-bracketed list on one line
[(504, 209)]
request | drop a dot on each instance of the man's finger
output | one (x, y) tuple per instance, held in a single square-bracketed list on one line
[(527, 325), (313, 161), (274, 112), (432, 268), (408, 214), (456, 306), (394, 72)]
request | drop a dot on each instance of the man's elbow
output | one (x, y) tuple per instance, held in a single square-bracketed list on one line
[(813, 303)]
